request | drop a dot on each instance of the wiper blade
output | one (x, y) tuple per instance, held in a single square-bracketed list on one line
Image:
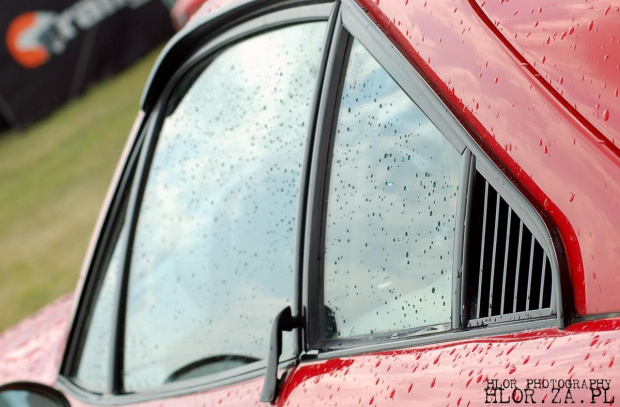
[(209, 365)]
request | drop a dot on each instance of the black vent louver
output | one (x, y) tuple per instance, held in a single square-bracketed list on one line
[(509, 275)]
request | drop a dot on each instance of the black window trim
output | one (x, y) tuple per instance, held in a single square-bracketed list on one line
[(288, 13), (96, 263), (327, 108), (354, 22)]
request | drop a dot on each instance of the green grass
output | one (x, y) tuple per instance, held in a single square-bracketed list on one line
[(53, 179)]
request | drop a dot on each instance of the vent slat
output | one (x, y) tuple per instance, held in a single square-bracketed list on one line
[(518, 267), (483, 241), (552, 295), (508, 280), (542, 281), (506, 251), (529, 276), (494, 254)]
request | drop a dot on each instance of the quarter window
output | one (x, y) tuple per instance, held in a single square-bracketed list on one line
[(391, 208), (213, 255)]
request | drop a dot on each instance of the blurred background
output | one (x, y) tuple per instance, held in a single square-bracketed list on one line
[(71, 77)]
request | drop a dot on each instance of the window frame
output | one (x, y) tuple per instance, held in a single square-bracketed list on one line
[(264, 19), (115, 213), (354, 22), (192, 68)]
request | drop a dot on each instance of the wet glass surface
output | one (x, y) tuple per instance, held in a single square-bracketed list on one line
[(213, 258), (391, 210)]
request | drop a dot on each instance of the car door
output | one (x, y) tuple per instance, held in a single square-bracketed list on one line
[(197, 251), (429, 278)]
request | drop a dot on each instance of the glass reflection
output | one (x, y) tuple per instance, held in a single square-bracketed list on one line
[(212, 262), (390, 211)]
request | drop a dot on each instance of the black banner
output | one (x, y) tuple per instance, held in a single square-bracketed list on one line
[(52, 50)]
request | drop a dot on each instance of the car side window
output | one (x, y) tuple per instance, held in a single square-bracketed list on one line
[(390, 211), (213, 255)]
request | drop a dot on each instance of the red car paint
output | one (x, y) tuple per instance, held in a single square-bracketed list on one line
[(576, 52), (456, 373), (32, 350), (525, 102), (183, 10)]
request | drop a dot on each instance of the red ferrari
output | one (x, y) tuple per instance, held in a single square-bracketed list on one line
[(354, 202)]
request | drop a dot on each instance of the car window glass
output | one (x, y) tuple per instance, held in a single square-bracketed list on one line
[(212, 261), (94, 366), (391, 207)]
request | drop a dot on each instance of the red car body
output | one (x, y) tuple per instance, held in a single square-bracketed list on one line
[(536, 85), (183, 10)]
